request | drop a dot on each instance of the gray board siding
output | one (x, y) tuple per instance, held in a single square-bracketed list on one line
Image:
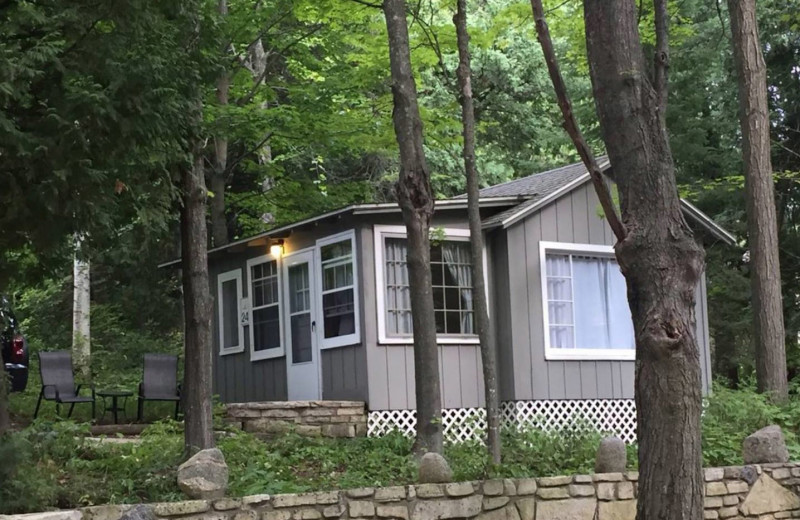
[(572, 218), (390, 368), (238, 379)]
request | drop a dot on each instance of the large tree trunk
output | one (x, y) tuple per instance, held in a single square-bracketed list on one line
[(219, 222), (488, 355), (5, 416), (762, 226), (199, 432), (81, 303), (415, 196), (659, 257)]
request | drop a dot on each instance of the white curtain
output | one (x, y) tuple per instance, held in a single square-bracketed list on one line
[(398, 298), (458, 262), (601, 318)]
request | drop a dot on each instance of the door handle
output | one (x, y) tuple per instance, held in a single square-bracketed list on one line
[(313, 326)]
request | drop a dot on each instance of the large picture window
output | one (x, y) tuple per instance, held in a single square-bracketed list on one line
[(265, 323), (339, 297), (451, 272), (229, 294), (586, 313)]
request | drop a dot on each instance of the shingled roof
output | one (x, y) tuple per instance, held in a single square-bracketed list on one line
[(539, 185)]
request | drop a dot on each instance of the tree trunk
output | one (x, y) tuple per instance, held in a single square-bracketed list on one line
[(415, 197), (762, 226), (196, 395), (219, 222), (81, 305), (5, 416), (488, 351), (659, 257)]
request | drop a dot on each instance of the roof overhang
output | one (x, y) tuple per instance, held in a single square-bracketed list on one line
[(354, 209), (688, 208)]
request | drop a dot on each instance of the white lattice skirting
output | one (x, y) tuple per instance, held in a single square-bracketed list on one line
[(609, 416)]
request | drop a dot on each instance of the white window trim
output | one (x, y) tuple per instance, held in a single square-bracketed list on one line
[(355, 337), (227, 276), (379, 233), (259, 355), (558, 354)]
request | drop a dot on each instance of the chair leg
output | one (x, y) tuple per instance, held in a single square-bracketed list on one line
[(140, 411), (177, 407), (72, 407), (58, 409), (93, 410), (38, 404)]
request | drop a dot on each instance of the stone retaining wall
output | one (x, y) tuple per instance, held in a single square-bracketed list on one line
[(766, 492), (309, 418)]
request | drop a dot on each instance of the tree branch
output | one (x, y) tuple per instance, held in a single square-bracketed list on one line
[(661, 58), (571, 125)]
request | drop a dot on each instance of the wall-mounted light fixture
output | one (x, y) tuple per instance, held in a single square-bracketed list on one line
[(276, 249)]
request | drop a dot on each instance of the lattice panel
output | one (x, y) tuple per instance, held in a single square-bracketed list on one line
[(613, 416), (460, 424)]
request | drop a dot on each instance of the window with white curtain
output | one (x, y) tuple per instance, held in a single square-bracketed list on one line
[(586, 307), (451, 271)]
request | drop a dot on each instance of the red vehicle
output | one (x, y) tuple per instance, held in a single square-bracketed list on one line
[(14, 347)]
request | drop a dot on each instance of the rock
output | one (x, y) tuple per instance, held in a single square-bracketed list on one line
[(767, 496), (623, 510), (433, 468), (611, 456), (526, 508), (765, 446), (448, 508), (575, 509), (139, 512), (204, 475), (508, 513)]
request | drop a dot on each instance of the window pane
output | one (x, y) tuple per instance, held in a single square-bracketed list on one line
[(266, 328), (301, 338), (336, 250), (338, 313), (230, 316), (587, 303), (299, 288)]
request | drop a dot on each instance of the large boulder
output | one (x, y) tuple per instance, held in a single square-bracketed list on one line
[(611, 456), (205, 475), (765, 446), (434, 469)]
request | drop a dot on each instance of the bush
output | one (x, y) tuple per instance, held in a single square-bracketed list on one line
[(732, 415)]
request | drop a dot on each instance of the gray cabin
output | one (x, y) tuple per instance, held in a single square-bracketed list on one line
[(319, 309)]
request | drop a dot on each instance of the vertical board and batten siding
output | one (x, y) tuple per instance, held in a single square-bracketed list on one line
[(573, 218), (390, 368), (238, 379), (501, 315)]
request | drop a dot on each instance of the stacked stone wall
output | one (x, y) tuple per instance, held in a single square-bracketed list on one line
[(765, 492), (307, 418)]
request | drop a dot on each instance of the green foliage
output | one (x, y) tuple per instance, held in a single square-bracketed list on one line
[(732, 415)]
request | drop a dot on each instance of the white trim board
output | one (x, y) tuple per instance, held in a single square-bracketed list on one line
[(559, 354), (234, 274)]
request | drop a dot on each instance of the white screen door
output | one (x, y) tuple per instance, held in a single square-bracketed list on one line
[(302, 356)]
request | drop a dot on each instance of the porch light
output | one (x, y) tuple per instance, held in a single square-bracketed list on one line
[(276, 249)]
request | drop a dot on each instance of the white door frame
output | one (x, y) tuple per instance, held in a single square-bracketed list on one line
[(300, 372)]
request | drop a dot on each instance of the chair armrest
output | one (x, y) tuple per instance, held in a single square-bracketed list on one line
[(90, 385)]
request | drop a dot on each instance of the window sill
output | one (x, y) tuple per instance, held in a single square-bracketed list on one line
[(262, 355), (228, 351), (589, 355), (440, 340)]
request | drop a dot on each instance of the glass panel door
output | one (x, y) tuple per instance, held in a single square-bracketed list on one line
[(303, 367)]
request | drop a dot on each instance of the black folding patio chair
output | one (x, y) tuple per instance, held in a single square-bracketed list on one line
[(58, 382), (159, 381)]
